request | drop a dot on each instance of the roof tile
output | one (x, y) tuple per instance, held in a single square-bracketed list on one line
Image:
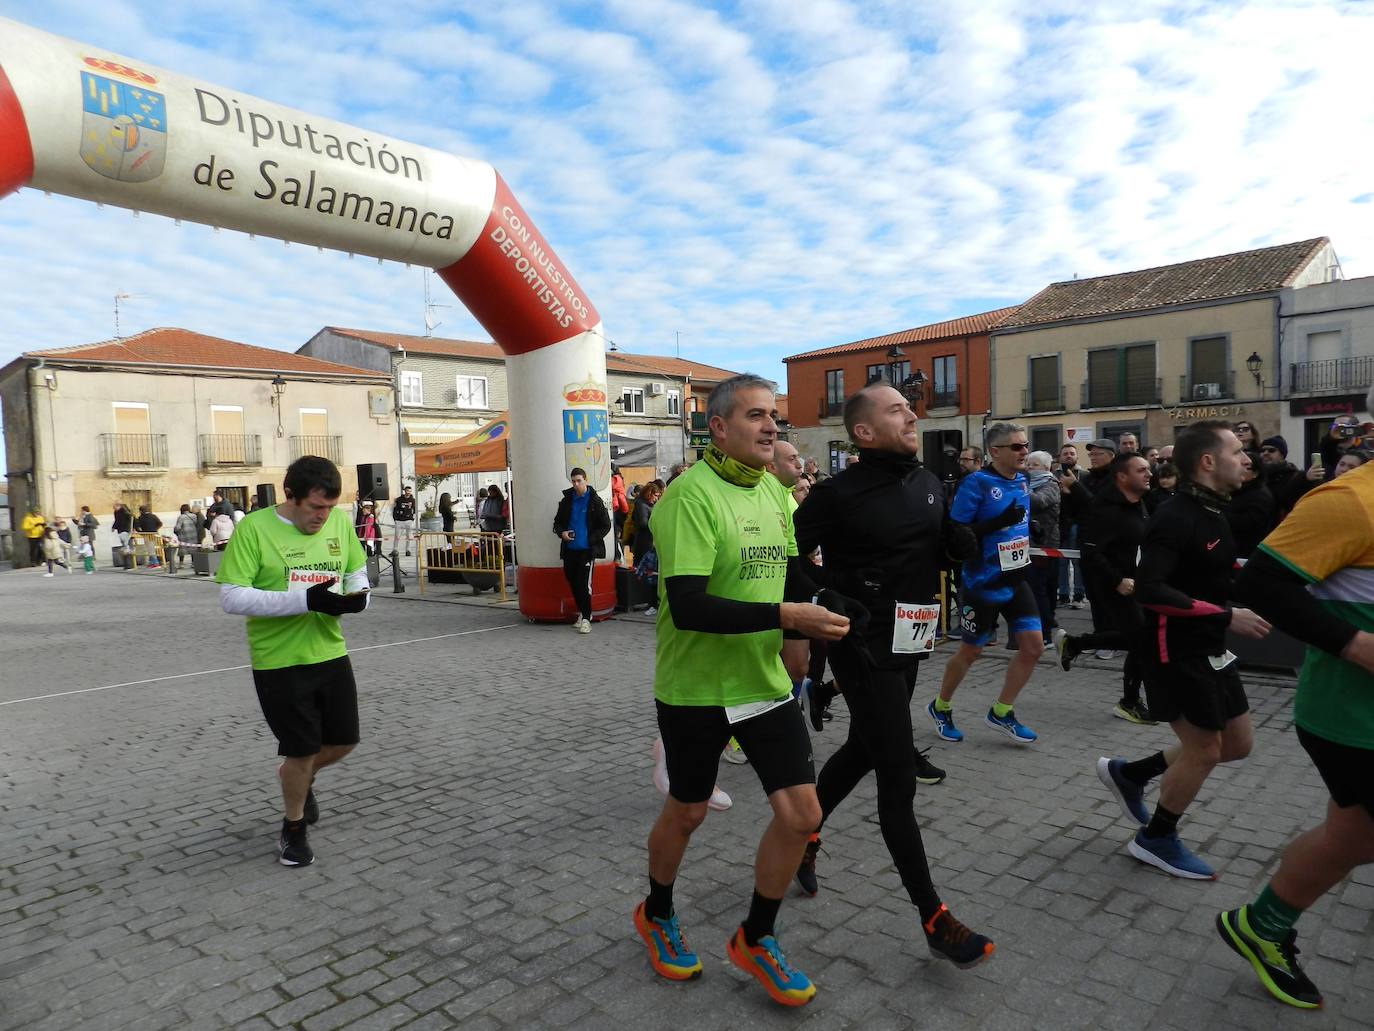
[(1203, 279), (967, 325), (170, 347)]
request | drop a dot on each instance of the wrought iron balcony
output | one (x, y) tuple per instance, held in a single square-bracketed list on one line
[(1197, 390), (1334, 374), (1140, 394), (947, 398), (330, 447), (133, 452), (232, 450), (1044, 402)]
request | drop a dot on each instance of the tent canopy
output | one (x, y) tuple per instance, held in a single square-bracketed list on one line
[(481, 451), (633, 451)]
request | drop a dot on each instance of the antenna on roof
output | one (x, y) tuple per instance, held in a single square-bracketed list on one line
[(122, 296), (430, 324)]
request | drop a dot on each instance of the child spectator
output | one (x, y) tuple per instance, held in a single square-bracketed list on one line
[(54, 547), (87, 553)]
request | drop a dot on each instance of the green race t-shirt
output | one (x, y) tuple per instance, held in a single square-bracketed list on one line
[(270, 554), (1328, 540), (740, 538)]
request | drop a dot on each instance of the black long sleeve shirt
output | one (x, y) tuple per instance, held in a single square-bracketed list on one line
[(881, 529), (1184, 579)]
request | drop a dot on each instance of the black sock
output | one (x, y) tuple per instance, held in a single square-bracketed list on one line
[(293, 825), (1163, 823), (659, 904), (1142, 771), (762, 915)]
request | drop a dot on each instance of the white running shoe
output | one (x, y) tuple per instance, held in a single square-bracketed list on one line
[(735, 754), (47, 574), (584, 626), (719, 800)]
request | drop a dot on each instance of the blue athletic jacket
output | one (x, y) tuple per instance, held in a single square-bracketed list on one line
[(981, 496)]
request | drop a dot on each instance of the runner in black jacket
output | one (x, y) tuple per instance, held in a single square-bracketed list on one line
[(1184, 583), (883, 536), (1111, 540)]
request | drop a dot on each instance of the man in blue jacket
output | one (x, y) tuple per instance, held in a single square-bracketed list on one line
[(994, 503), (581, 523)]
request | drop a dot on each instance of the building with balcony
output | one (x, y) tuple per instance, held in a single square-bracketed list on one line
[(945, 365), (1150, 351), (168, 416), (1326, 333), (450, 387)]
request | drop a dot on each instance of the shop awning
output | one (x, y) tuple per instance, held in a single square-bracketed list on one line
[(633, 451)]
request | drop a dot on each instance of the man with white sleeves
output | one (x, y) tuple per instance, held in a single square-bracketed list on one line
[(293, 569)]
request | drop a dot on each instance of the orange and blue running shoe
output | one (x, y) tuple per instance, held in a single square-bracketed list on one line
[(669, 954), (765, 961)]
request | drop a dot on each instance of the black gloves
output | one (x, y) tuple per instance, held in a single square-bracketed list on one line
[(845, 606), (961, 543), (320, 599), (1011, 515)]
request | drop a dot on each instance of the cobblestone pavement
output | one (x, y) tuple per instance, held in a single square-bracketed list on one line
[(480, 853)]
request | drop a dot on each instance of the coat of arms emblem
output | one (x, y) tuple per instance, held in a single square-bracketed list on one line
[(123, 129)]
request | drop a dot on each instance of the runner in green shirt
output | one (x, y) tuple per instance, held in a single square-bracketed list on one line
[(293, 570), (727, 560), (1313, 578)]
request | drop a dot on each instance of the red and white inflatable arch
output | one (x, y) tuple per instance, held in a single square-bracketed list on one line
[(80, 121)]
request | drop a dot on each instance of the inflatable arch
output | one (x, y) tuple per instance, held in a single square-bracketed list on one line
[(80, 121)]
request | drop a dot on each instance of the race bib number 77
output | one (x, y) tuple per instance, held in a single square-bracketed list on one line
[(913, 629)]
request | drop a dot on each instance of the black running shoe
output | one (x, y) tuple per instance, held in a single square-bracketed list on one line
[(1069, 649), (806, 873), (951, 940), (293, 848), (926, 771), (312, 808), (1275, 963)]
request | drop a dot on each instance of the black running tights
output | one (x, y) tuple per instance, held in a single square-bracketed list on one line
[(880, 740), (1126, 633)]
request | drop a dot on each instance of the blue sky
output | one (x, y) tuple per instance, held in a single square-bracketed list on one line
[(763, 177)]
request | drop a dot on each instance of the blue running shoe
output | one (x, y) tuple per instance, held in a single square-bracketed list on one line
[(1170, 855), (1012, 727), (944, 724), (765, 961), (1130, 794), (669, 954)]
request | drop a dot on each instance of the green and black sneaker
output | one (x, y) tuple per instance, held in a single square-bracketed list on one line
[(1276, 963)]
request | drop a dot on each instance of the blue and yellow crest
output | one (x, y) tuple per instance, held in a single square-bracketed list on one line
[(123, 129)]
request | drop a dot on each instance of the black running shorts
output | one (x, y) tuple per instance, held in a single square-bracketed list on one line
[(776, 744), (1347, 771), (309, 706), (1188, 687), (978, 613)]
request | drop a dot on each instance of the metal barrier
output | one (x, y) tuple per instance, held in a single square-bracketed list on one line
[(469, 552)]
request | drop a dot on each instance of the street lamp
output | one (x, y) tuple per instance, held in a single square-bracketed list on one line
[(913, 388), (278, 388), (1254, 363)]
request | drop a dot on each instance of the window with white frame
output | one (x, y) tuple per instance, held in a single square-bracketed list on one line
[(472, 392), (674, 403), (634, 400), (412, 388)]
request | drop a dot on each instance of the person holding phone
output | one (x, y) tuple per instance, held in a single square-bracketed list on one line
[(293, 569)]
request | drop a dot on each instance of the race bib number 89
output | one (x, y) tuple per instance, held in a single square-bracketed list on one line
[(1013, 554), (913, 629)]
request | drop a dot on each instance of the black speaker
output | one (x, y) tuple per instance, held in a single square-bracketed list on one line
[(940, 452), (267, 494), (372, 481)]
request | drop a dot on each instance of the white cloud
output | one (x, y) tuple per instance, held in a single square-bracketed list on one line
[(765, 178)]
